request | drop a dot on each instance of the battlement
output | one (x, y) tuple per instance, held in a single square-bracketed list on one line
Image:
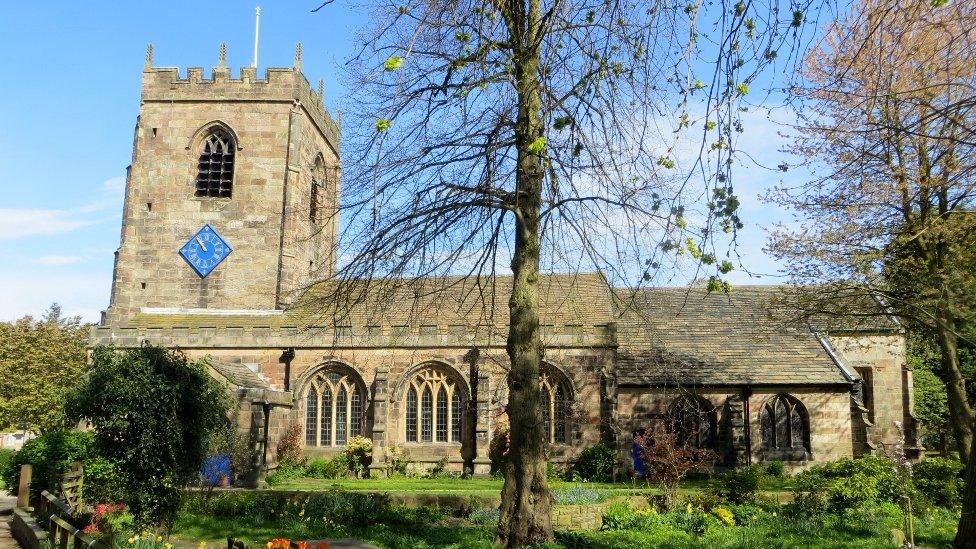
[(280, 84)]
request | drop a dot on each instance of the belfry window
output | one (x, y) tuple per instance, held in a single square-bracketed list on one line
[(785, 428), (215, 171), (334, 407), (434, 407)]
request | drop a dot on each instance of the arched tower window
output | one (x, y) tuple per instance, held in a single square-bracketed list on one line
[(215, 171), (436, 416), (785, 428), (334, 407), (693, 420)]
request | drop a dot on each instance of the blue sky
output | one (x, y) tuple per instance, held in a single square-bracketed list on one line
[(68, 103)]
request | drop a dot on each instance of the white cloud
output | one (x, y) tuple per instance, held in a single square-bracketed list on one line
[(114, 185), (31, 292), (18, 223), (59, 259), (22, 222)]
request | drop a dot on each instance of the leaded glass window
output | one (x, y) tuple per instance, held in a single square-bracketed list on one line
[(434, 407), (215, 169), (340, 394), (692, 419), (784, 429)]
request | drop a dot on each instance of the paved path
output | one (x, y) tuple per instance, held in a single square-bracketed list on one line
[(6, 511)]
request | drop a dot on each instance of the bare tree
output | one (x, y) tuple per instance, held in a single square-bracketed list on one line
[(888, 116), (553, 136)]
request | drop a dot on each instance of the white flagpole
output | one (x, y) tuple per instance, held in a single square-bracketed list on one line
[(257, 28)]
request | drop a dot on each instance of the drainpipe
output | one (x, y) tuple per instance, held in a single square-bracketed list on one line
[(286, 357), (747, 422)]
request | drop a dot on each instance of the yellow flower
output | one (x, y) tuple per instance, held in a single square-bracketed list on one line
[(202, 545), (688, 510), (168, 546), (132, 540), (774, 513), (159, 538)]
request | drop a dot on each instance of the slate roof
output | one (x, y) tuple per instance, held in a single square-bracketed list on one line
[(239, 374), (565, 299), (682, 336)]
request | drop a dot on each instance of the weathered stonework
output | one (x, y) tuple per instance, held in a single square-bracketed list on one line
[(619, 357)]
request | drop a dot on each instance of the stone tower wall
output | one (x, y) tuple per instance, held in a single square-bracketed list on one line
[(278, 123)]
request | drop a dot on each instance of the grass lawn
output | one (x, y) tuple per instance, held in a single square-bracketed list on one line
[(484, 486), (934, 531)]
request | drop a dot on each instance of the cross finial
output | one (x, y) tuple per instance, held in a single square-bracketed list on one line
[(298, 56), (149, 57), (222, 55)]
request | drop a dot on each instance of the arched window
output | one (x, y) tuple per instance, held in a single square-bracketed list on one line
[(692, 419), (334, 407), (785, 428), (215, 171), (436, 416), (555, 393), (318, 181)]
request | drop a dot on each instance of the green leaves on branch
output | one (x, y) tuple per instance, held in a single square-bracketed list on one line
[(716, 284), (562, 122), (538, 146), (383, 124), (666, 162), (393, 63)]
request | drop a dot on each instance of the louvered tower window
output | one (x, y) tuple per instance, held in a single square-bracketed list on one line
[(215, 171)]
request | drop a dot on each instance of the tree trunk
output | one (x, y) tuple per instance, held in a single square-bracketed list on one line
[(961, 414), (526, 502), (966, 533)]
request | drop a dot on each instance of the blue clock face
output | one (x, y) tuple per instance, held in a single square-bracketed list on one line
[(205, 250)]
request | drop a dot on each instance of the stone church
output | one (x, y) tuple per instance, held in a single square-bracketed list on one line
[(231, 207)]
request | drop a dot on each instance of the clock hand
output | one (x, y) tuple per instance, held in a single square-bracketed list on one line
[(202, 245)]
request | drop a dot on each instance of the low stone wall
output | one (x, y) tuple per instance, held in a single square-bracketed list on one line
[(589, 516), (26, 531)]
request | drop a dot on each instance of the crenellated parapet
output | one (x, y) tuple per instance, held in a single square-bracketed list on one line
[(279, 84)]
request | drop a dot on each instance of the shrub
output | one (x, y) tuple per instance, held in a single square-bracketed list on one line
[(104, 482), (290, 446), (360, 453), (110, 521), (285, 472), (6, 457), (668, 462), (618, 516), (741, 485), (50, 455), (397, 460), (152, 410), (873, 519), (724, 516), (595, 464), (774, 468), (577, 494), (313, 509), (847, 483), (938, 480)]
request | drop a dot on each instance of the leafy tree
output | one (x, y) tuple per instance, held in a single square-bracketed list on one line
[(545, 135), (887, 115), (152, 410), (931, 406), (40, 360)]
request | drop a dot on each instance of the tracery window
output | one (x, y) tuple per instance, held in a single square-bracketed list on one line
[(556, 396), (215, 170), (334, 405), (434, 407), (785, 428), (692, 419)]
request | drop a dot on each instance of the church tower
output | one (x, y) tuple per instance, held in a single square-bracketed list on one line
[(232, 194)]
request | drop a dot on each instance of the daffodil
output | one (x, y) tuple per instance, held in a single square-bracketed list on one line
[(132, 540)]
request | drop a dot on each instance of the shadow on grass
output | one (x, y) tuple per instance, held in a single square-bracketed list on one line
[(255, 533)]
